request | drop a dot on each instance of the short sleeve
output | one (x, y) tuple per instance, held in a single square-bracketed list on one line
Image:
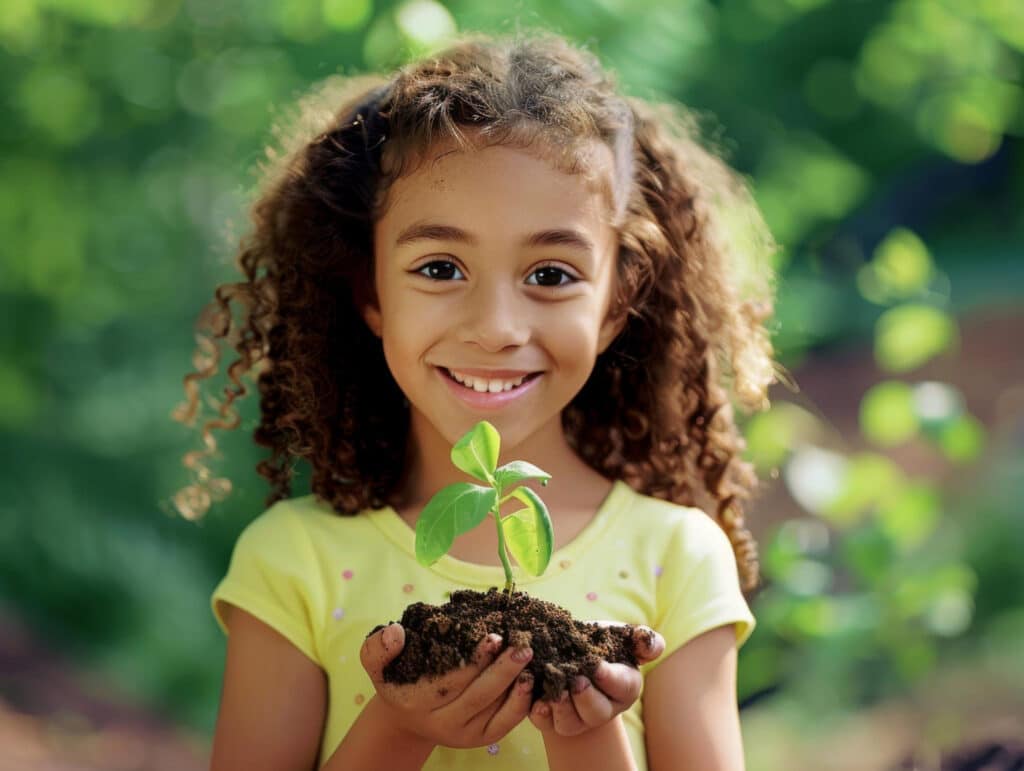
[(269, 576), (699, 587)]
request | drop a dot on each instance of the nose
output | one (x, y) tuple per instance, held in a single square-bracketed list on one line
[(495, 317)]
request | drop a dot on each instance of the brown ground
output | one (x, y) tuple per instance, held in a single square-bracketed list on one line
[(54, 717), (440, 638)]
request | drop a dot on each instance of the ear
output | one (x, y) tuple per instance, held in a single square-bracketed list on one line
[(364, 297), (614, 322), (371, 315)]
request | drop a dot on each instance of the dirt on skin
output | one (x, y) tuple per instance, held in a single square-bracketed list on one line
[(440, 638)]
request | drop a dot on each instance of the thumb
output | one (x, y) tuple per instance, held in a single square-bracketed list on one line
[(647, 644), (380, 648)]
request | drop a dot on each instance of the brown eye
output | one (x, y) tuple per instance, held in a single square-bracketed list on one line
[(438, 270), (549, 275)]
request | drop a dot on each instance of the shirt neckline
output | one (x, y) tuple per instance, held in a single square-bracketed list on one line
[(395, 528)]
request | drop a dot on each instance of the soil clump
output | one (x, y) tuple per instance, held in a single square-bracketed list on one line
[(440, 638)]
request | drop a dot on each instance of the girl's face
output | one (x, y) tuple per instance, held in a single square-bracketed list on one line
[(491, 262)]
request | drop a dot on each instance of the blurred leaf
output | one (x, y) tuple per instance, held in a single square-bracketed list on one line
[(887, 415), (382, 45), (901, 268), (909, 335), (814, 617), (828, 87), (781, 552), (19, 398), (773, 433), (347, 14), (967, 118), (807, 577), (869, 553), (868, 479), (803, 179), (963, 439), (910, 516), (915, 658), (51, 84)]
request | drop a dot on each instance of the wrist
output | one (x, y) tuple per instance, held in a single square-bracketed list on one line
[(377, 739), (605, 746), (391, 726)]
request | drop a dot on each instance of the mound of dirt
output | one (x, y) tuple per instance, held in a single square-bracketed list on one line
[(440, 638)]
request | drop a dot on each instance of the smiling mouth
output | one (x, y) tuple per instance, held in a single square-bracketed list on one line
[(532, 376)]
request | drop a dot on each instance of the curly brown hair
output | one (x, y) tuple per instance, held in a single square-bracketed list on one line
[(656, 411)]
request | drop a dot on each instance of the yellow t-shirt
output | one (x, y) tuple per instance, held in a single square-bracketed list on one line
[(324, 581)]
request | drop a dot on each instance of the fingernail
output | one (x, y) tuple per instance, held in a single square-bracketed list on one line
[(493, 642), (647, 638), (522, 654), (390, 637), (525, 681), (543, 709), (563, 697), (580, 684)]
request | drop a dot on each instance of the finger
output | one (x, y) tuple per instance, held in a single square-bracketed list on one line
[(565, 718), (492, 682), (511, 712), (450, 686), (621, 683), (593, 707), (540, 716), (379, 649), (647, 644)]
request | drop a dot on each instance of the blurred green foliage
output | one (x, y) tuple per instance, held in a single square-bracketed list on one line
[(882, 139)]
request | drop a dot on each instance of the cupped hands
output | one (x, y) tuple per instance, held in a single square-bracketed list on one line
[(472, 706)]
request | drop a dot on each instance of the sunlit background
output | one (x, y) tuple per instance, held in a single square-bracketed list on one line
[(883, 139)]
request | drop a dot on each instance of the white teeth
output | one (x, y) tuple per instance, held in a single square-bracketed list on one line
[(483, 385)]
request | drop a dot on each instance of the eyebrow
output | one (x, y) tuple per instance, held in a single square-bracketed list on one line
[(430, 231)]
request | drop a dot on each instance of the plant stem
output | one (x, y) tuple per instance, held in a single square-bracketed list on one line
[(502, 552)]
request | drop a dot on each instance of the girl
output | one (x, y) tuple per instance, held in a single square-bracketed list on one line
[(491, 233)]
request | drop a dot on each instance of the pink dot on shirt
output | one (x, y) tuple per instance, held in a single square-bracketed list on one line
[(658, 570), (359, 699), (408, 588), (492, 749), (339, 614), (347, 574), (591, 596)]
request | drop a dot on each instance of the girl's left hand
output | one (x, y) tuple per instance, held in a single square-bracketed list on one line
[(592, 704)]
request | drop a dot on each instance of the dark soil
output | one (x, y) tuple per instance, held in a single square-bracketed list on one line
[(440, 638)]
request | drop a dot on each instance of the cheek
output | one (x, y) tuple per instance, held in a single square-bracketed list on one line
[(576, 334)]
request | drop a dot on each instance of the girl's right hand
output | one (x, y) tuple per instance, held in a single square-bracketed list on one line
[(473, 706)]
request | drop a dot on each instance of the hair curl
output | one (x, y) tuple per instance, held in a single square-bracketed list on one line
[(692, 279)]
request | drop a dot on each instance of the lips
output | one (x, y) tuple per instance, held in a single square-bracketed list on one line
[(487, 401)]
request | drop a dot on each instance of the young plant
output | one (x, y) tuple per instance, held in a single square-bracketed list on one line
[(526, 535)]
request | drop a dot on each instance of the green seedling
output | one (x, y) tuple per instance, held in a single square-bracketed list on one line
[(526, 535)]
